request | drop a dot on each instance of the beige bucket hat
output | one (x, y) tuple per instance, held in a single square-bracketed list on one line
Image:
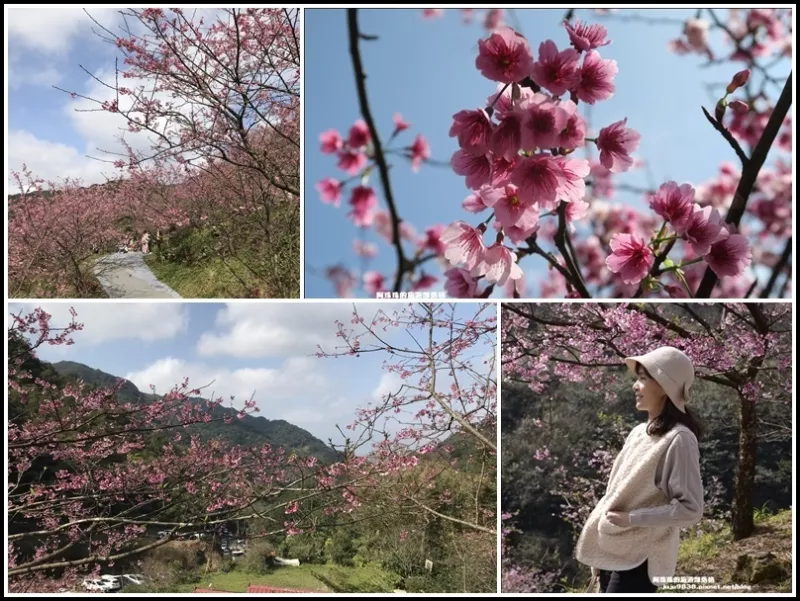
[(671, 368)]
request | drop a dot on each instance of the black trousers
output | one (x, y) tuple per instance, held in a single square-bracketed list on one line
[(627, 581)]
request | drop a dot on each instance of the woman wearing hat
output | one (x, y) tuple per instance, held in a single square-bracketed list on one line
[(655, 488)]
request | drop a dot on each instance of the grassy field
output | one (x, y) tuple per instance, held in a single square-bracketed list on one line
[(729, 561), (294, 578), (210, 279)]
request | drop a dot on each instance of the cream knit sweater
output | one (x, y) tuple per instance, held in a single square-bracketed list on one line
[(634, 484)]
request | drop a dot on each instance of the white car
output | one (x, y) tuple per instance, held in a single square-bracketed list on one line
[(114, 581), (97, 585)]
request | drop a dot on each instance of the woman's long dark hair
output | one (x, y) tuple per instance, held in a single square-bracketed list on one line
[(671, 416)]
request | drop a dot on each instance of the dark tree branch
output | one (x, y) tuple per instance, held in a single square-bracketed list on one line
[(380, 159), (750, 174)]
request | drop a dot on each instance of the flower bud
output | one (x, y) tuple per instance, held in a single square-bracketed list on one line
[(739, 106), (738, 81)]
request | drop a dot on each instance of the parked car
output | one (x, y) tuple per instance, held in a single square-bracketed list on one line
[(114, 581), (97, 585)]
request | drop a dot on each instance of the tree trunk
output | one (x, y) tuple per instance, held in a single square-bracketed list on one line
[(745, 472)]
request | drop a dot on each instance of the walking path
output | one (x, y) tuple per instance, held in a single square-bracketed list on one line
[(126, 275)]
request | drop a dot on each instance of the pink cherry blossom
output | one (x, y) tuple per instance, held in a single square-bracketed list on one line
[(363, 200), (730, 255), (330, 190), (702, 229), (696, 32), (460, 284), (420, 151), (476, 169), (464, 244), (631, 258), (331, 141), (499, 265), (675, 204), (374, 282), (585, 37), (571, 173), (537, 179), (596, 78), (474, 203), (505, 56), (555, 71), (400, 124), (573, 135), (507, 136), (433, 239), (425, 281), (507, 205), (351, 162), (542, 125), (359, 135), (527, 224), (615, 143), (473, 130)]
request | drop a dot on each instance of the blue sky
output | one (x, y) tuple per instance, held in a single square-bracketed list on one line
[(425, 70), (244, 348)]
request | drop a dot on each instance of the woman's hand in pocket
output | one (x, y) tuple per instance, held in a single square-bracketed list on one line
[(619, 518)]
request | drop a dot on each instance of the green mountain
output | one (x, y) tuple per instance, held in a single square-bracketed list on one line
[(248, 431)]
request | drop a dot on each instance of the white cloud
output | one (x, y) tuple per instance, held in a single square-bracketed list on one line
[(297, 391), (52, 161), (272, 330), (390, 382), (53, 29), (104, 321)]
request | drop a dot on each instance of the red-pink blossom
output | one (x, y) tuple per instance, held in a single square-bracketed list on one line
[(363, 200), (330, 190), (359, 135), (543, 122), (374, 282), (351, 162), (702, 229), (400, 124), (596, 78), (460, 284), (464, 244), (476, 169), (585, 37), (730, 255), (505, 56), (573, 135), (508, 206), (473, 130), (674, 203), (331, 141), (555, 71), (615, 143), (433, 239), (507, 136), (420, 151), (631, 258), (537, 179), (571, 183)]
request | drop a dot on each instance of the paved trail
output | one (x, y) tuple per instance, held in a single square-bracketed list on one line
[(126, 275)]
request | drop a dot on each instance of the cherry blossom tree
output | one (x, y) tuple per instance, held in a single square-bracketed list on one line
[(212, 114), (519, 155), (86, 487), (745, 348), (441, 418)]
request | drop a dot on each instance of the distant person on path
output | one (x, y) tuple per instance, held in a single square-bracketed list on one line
[(145, 243), (655, 488)]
